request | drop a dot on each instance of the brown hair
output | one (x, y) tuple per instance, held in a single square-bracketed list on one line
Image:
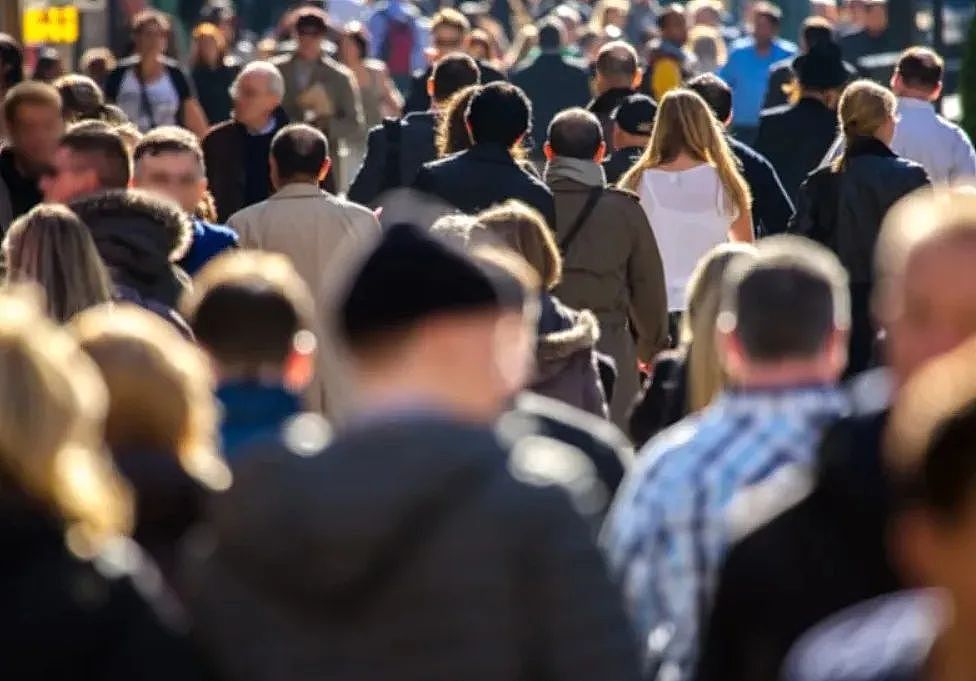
[(452, 130), (104, 150), (523, 230), (150, 16), (208, 30), (52, 247), (920, 67), (160, 389), (685, 124), (450, 17), (31, 93), (169, 139), (81, 98), (864, 107)]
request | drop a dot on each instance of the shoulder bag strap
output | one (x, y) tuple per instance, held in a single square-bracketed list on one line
[(145, 105), (581, 218), (392, 173)]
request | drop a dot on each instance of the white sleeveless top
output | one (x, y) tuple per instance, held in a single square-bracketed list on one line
[(687, 214)]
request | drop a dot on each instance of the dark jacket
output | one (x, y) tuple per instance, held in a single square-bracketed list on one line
[(208, 242), (68, 619), (664, 398), (18, 194), (780, 75), (772, 208), (213, 89), (566, 367), (603, 107), (553, 83), (419, 99), (795, 140), (844, 210), (482, 176), (390, 165), (819, 556), (619, 162), (139, 238), (223, 151), (407, 548)]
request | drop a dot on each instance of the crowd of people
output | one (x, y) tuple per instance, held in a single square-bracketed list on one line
[(526, 340)]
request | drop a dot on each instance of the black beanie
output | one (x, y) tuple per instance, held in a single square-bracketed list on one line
[(411, 275)]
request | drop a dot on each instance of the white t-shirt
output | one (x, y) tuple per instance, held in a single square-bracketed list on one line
[(163, 97), (686, 211)]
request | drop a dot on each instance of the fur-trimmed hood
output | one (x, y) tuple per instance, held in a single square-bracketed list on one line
[(139, 236), (563, 332)]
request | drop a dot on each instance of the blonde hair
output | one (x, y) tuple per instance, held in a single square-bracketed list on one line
[(705, 374), (685, 124), (51, 425), (864, 107), (702, 35), (52, 247), (160, 389), (523, 230), (598, 20)]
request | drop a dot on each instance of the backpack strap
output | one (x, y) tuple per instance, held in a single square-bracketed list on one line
[(581, 218), (392, 172)]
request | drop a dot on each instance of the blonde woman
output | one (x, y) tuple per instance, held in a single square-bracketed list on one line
[(842, 205), (51, 247), (566, 364), (71, 605), (686, 380), (162, 420), (691, 189)]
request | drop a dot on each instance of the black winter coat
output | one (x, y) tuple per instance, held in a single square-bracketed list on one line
[(388, 166), (411, 549), (825, 553), (619, 162), (664, 398), (603, 107), (65, 619), (419, 99), (482, 176), (553, 83), (772, 208), (795, 139)]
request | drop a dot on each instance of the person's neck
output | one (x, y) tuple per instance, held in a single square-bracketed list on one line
[(408, 390), (298, 182), (309, 56), (764, 46), (953, 656), (260, 127), (267, 375), (150, 65), (785, 374), (614, 86), (912, 93), (815, 95)]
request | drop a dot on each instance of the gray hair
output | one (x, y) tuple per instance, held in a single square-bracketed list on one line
[(276, 82), (785, 302)]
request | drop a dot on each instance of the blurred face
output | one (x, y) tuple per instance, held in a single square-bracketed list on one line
[(764, 30), (35, 132), (152, 39), (309, 43), (209, 52), (69, 177), (255, 101), (349, 51), (706, 16), (176, 175), (478, 50), (615, 17), (676, 30), (876, 18), (934, 308), (446, 39)]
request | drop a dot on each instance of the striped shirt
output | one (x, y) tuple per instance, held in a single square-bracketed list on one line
[(668, 532)]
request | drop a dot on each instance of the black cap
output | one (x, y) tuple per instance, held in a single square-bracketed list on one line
[(636, 114), (412, 275), (822, 68), (311, 20)]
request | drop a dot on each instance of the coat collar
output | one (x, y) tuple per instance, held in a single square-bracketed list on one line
[(609, 100), (868, 146), (298, 190), (493, 153)]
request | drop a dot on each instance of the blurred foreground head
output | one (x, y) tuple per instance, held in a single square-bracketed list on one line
[(925, 290), (424, 322)]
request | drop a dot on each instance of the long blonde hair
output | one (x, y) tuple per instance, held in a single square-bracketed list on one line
[(523, 230), (864, 107), (53, 409), (705, 374), (160, 389), (685, 124), (52, 247)]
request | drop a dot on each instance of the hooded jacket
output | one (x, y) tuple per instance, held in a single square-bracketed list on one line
[(566, 367), (139, 237), (413, 549)]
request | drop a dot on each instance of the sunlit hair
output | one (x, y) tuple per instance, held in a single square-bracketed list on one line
[(601, 11), (864, 107), (203, 32), (52, 247), (707, 43), (522, 229), (705, 374), (53, 409), (81, 98), (452, 130), (685, 123), (160, 389)]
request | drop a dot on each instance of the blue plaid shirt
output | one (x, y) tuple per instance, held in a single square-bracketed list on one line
[(667, 532)]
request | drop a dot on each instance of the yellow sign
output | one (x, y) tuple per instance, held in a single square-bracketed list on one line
[(55, 25)]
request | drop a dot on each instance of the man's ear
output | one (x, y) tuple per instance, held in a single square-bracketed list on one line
[(638, 77), (547, 150), (430, 87), (273, 167), (298, 371), (600, 153), (324, 170), (936, 93)]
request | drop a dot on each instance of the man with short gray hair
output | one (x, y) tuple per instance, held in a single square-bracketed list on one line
[(236, 151), (783, 327)]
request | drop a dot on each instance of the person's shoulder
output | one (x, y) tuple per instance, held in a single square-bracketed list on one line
[(741, 45), (170, 64), (781, 67), (888, 638), (221, 233), (622, 196), (786, 47), (127, 63), (671, 452), (775, 112), (281, 60), (337, 67), (219, 131), (351, 208)]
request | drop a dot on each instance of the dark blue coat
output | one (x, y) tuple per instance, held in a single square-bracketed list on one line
[(553, 83), (771, 206), (208, 241), (417, 147)]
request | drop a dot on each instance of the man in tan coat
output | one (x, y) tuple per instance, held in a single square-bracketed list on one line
[(314, 229), (611, 263), (320, 91)]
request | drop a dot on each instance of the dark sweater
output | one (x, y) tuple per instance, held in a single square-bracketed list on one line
[(24, 192), (257, 174)]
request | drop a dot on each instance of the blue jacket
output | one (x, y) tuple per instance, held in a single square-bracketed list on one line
[(208, 241), (251, 411)]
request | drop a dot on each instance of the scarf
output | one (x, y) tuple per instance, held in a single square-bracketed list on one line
[(583, 171)]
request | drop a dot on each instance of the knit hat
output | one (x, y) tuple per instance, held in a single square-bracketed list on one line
[(635, 114), (411, 275)]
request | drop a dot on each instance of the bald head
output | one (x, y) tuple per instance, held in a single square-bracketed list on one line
[(616, 66), (299, 153)]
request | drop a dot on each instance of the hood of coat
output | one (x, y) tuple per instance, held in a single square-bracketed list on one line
[(563, 332), (355, 510)]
